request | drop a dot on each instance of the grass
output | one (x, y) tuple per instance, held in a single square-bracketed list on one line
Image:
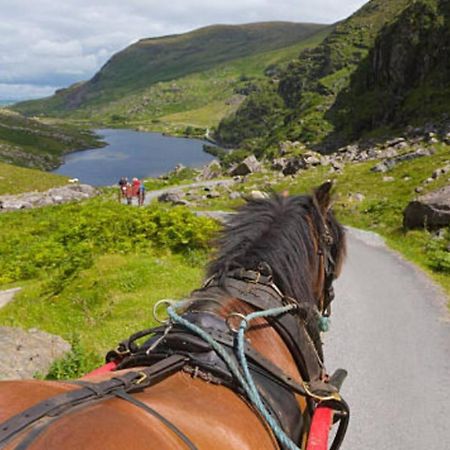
[(107, 302), (16, 180)]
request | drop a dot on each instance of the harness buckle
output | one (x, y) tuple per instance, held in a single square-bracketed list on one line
[(142, 377), (230, 325)]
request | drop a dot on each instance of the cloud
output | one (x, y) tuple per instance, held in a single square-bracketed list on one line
[(50, 43)]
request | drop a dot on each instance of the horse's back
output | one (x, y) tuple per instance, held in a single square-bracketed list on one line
[(210, 416)]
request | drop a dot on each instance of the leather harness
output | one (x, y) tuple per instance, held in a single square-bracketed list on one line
[(172, 348)]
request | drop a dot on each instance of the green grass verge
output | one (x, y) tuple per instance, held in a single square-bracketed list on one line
[(16, 180)]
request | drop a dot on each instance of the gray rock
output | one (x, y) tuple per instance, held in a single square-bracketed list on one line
[(388, 179), (210, 171), (249, 165), (64, 194), (294, 165), (258, 195), (279, 164), (389, 163), (176, 198), (418, 189), (25, 353), (430, 210), (213, 194), (356, 197), (234, 195)]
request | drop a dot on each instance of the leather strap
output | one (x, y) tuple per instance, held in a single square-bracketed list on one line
[(127, 397), (58, 404)]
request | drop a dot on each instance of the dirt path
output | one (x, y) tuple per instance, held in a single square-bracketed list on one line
[(8, 295)]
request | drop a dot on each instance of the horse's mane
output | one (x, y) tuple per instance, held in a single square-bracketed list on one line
[(282, 232)]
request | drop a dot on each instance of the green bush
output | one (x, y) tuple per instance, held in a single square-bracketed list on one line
[(438, 253), (74, 364), (58, 242)]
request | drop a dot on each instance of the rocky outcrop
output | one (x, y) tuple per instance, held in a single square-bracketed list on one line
[(390, 163), (248, 165), (430, 211), (54, 196), (176, 198), (25, 353), (210, 171)]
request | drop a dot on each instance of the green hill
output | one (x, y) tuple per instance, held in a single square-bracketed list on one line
[(33, 143), (16, 180), (377, 68), (154, 78)]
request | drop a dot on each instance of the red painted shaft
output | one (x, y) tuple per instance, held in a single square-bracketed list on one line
[(108, 367), (320, 429)]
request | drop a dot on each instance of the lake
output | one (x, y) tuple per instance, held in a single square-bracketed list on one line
[(132, 154)]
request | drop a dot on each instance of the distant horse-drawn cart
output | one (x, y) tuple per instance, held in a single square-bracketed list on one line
[(237, 365)]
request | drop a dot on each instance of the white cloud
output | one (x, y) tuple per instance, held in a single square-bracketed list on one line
[(55, 43), (24, 91)]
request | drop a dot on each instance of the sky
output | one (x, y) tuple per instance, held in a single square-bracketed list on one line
[(49, 44)]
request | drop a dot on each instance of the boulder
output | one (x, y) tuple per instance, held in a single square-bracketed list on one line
[(430, 210), (293, 165), (210, 171), (258, 195), (389, 163), (176, 198), (64, 194), (25, 353), (279, 164), (248, 165)]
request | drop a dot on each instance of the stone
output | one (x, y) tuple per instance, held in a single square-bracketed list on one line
[(294, 165), (213, 194), (389, 163), (248, 165), (418, 189), (210, 171), (25, 353), (356, 197), (258, 195), (430, 210), (279, 164), (337, 165), (64, 194), (176, 198), (234, 195), (388, 179)]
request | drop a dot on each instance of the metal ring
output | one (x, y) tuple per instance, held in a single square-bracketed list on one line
[(155, 310), (230, 325)]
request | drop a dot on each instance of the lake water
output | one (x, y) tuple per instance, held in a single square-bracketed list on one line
[(132, 154)]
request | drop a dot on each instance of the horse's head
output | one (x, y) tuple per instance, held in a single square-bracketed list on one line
[(296, 238)]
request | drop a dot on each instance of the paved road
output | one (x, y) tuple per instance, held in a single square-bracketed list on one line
[(152, 195), (390, 330)]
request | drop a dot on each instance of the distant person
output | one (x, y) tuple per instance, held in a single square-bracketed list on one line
[(136, 183), (122, 187), (129, 193), (141, 197)]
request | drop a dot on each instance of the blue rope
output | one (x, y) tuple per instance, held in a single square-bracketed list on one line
[(244, 378)]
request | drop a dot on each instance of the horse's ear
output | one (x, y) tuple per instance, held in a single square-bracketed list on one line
[(322, 196)]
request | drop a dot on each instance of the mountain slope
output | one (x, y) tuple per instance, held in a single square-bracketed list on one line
[(310, 85), (33, 143), (406, 76), (150, 61)]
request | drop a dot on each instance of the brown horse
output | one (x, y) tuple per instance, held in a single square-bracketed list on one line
[(275, 252)]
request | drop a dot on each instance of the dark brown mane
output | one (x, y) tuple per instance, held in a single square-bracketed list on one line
[(283, 232)]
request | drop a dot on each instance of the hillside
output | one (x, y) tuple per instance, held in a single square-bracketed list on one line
[(202, 75), (375, 69), (33, 143)]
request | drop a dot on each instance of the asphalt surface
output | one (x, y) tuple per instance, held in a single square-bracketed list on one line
[(391, 331)]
